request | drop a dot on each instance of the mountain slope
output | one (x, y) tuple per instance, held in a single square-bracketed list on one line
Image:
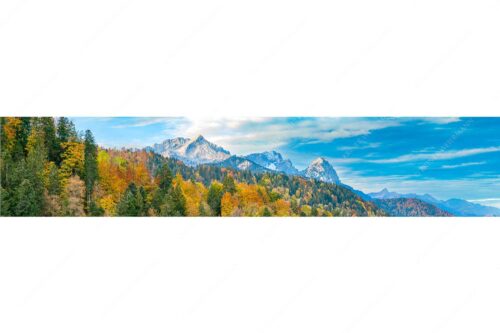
[(409, 207), (385, 194), (241, 163), (191, 152), (321, 169), (465, 208), (305, 196), (273, 160)]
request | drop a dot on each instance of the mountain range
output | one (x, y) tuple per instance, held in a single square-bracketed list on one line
[(201, 151), (457, 207), (191, 152)]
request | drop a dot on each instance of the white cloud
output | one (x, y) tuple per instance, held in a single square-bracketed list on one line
[(461, 165), (146, 121), (493, 202), (441, 121), (440, 188), (246, 135), (442, 155), (361, 145)]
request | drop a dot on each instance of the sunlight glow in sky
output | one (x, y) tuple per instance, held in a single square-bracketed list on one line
[(445, 157)]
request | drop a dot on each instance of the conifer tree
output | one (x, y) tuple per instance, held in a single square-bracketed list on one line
[(50, 139), (266, 212), (164, 178), (24, 133), (129, 205), (175, 202), (90, 172), (63, 129), (35, 163), (228, 184), (214, 197), (27, 202), (4, 202)]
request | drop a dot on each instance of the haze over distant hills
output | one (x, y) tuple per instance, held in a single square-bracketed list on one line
[(201, 151), (455, 206)]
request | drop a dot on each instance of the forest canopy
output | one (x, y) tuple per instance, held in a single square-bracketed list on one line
[(48, 168)]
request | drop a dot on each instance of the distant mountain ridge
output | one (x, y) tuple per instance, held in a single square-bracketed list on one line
[(409, 207), (457, 207)]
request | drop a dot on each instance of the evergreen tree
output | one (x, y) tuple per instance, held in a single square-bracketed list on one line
[(34, 174), (4, 202), (142, 201), (133, 202), (13, 173), (165, 177), (90, 172), (63, 130), (214, 197), (50, 139), (228, 184), (95, 210), (24, 133), (175, 203), (66, 131), (52, 180), (129, 205), (266, 212), (5, 156), (27, 201)]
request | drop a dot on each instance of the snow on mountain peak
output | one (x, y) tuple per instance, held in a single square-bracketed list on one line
[(273, 160), (322, 170), (319, 160), (192, 152)]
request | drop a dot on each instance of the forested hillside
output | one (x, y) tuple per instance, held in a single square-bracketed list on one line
[(50, 169), (410, 207)]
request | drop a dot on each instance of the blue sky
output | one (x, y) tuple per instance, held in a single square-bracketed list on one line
[(446, 157)]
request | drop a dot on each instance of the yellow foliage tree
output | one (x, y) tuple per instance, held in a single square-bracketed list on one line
[(282, 208), (229, 203), (108, 203), (72, 161), (10, 128), (251, 198), (194, 193)]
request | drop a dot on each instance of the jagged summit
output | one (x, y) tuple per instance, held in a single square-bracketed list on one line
[(322, 170), (319, 160), (273, 160), (385, 194), (200, 138), (192, 152)]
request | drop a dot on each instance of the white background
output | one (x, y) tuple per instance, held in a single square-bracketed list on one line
[(267, 58)]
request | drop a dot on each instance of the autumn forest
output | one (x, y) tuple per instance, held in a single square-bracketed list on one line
[(48, 168)]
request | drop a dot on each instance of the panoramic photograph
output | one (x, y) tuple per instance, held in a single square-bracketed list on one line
[(308, 167)]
